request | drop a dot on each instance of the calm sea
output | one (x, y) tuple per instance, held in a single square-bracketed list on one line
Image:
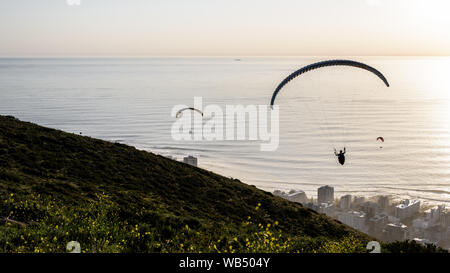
[(130, 101)]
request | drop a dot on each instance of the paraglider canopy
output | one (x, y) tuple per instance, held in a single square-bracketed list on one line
[(382, 140), (324, 64), (180, 112)]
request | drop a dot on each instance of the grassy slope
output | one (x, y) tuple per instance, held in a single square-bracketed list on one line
[(73, 168)]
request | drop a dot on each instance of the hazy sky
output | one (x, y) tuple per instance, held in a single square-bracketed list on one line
[(224, 27)]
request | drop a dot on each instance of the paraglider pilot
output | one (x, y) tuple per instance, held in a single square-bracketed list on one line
[(341, 156)]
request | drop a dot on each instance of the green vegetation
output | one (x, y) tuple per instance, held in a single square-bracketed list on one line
[(97, 226), (57, 187)]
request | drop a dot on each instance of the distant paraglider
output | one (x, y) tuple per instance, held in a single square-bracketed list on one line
[(180, 114), (341, 156), (324, 64), (382, 140)]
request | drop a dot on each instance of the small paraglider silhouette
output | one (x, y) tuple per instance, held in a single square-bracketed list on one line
[(180, 114), (340, 155), (382, 141)]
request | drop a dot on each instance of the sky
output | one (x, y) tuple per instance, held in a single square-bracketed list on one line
[(41, 28)]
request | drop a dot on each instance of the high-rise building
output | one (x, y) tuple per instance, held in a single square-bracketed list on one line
[(190, 160), (358, 201), (436, 215), (407, 208), (445, 221), (383, 203), (377, 224), (325, 194), (354, 219), (346, 202), (370, 208), (396, 232), (419, 225)]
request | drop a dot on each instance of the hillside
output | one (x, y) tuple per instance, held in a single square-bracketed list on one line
[(56, 187)]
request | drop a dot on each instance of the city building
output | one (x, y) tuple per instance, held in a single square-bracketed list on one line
[(370, 208), (190, 160), (327, 208), (437, 216), (419, 226), (435, 234), (325, 194), (171, 157), (445, 221), (358, 201), (293, 195), (297, 196), (312, 206), (407, 208), (381, 219), (396, 232), (377, 224), (346, 202), (279, 193), (383, 203), (354, 219), (393, 219)]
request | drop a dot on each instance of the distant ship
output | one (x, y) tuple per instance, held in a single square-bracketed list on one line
[(237, 60)]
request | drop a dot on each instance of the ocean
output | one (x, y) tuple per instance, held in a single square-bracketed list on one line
[(130, 100)]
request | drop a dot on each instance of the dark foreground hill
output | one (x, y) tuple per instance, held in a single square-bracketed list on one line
[(57, 187)]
